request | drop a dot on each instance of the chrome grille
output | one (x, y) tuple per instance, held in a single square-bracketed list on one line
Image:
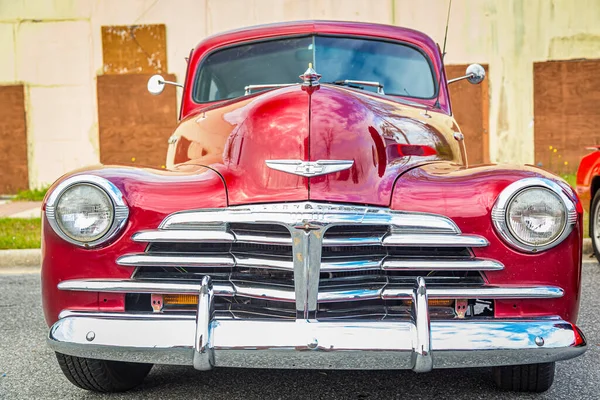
[(264, 258), (307, 260)]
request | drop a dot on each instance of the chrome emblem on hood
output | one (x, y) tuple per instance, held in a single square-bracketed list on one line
[(309, 168)]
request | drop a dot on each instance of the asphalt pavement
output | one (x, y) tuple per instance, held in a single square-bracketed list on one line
[(28, 369)]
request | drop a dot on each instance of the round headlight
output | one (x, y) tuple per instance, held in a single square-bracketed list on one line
[(534, 214), (86, 210)]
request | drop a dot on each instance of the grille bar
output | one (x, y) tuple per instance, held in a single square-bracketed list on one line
[(203, 236), (349, 264), (271, 292), (153, 260), (297, 214), (392, 239), (435, 240)]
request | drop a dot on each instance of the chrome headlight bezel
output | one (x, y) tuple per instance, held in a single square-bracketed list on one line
[(120, 209), (504, 200)]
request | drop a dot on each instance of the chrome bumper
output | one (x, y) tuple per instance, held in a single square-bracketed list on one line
[(418, 344)]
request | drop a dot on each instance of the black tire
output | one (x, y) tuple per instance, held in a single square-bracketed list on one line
[(525, 378), (595, 224), (102, 375)]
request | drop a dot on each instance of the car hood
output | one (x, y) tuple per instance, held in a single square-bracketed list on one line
[(379, 137)]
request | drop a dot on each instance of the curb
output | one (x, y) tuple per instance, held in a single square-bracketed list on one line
[(587, 246), (11, 259), (32, 258)]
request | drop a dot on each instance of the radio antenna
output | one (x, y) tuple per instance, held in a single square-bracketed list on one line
[(446, 34), (437, 101)]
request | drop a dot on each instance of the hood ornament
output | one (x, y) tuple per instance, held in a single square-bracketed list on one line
[(310, 77), (309, 168)]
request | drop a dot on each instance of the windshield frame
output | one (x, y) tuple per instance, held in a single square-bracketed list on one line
[(436, 82)]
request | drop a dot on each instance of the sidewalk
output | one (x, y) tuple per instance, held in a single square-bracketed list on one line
[(20, 209)]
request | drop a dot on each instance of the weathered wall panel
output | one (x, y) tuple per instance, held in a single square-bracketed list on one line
[(134, 49), (13, 140), (470, 105), (134, 126), (567, 117)]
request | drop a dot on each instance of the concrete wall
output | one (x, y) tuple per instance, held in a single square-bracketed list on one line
[(54, 47)]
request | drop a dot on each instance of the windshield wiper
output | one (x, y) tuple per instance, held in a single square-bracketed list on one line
[(248, 89), (360, 84)]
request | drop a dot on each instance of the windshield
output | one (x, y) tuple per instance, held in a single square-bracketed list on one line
[(401, 69)]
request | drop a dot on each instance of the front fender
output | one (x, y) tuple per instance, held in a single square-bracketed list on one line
[(151, 195), (467, 197)]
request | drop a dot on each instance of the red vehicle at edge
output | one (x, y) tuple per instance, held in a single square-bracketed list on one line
[(328, 221), (588, 183)]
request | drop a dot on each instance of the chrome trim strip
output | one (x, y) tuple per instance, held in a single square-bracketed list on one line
[(120, 208), (121, 315), (485, 292), (162, 236), (281, 293), (502, 204), (353, 241), (435, 240), (315, 344), (299, 214), (269, 263), (262, 239), (391, 264), (224, 289), (357, 264), (128, 286), (157, 260), (331, 296)]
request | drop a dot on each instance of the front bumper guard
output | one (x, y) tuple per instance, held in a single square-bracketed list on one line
[(418, 344)]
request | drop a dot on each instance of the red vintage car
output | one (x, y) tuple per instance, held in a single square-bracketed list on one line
[(317, 212), (588, 183)]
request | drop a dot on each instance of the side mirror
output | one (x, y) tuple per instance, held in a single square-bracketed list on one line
[(475, 74), (156, 84)]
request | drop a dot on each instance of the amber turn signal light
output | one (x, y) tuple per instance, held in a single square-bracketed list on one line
[(180, 299)]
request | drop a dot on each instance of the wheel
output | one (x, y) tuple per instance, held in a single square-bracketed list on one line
[(595, 224), (102, 375), (525, 378)]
